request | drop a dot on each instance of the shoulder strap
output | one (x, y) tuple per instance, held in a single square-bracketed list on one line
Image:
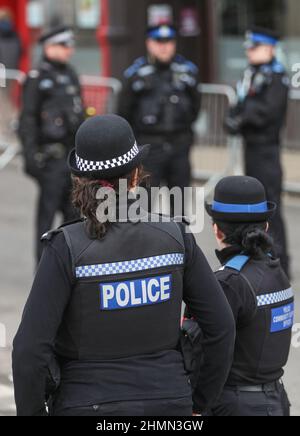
[(172, 228), (237, 262)]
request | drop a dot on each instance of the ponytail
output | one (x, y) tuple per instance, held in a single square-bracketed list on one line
[(252, 239)]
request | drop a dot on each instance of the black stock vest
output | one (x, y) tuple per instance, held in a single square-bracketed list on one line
[(262, 347), (127, 292)]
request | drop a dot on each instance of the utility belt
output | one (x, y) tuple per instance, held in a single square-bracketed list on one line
[(54, 151), (267, 387)]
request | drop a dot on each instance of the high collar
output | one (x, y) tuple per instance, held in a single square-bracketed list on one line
[(227, 253), (162, 66), (266, 64), (56, 64)]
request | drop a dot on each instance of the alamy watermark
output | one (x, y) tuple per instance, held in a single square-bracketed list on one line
[(296, 75), (2, 76), (2, 336), (124, 206)]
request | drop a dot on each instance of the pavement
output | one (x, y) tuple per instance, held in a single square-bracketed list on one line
[(18, 196)]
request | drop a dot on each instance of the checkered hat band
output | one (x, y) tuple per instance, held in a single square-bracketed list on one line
[(275, 297), (130, 266), (89, 165)]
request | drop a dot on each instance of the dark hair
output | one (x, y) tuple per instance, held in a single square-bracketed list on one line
[(84, 199), (251, 238)]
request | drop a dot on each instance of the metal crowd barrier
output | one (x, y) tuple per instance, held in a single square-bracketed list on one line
[(291, 144), (215, 154), (9, 109), (100, 95)]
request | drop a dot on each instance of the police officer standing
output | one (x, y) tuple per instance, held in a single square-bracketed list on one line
[(259, 117), (161, 99), (101, 327), (52, 112), (260, 296)]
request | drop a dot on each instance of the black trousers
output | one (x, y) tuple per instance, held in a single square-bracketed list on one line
[(168, 162), (54, 196), (233, 402), (263, 162), (166, 407)]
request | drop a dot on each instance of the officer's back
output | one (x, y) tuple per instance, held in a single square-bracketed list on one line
[(260, 296), (106, 301)]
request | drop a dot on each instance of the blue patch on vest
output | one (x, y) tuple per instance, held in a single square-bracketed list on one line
[(135, 293), (238, 262), (282, 318)]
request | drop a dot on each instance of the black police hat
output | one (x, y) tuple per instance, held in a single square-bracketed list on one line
[(62, 35), (261, 35), (240, 199), (105, 147), (162, 32)]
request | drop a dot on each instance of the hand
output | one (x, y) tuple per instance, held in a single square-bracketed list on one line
[(33, 169), (233, 124)]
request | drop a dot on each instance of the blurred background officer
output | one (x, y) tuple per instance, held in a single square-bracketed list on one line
[(260, 296), (52, 112), (259, 117), (161, 99), (106, 301), (10, 44)]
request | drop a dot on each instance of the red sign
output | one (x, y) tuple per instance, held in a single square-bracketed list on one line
[(189, 22)]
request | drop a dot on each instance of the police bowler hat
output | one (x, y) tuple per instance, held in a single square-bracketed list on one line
[(61, 35), (259, 35), (240, 199), (162, 32), (105, 147)]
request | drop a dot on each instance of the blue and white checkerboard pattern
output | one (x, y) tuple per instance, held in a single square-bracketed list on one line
[(275, 297), (87, 165), (129, 266)]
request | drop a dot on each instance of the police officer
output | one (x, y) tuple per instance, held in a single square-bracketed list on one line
[(161, 99), (259, 117), (101, 326), (52, 112), (260, 296)]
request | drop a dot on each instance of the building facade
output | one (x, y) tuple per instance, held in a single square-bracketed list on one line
[(111, 32)]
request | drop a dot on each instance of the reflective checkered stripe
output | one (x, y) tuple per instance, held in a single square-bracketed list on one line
[(129, 266), (275, 297), (89, 165)]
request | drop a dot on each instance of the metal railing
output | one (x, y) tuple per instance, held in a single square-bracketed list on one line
[(215, 154), (9, 113), (100, 95)]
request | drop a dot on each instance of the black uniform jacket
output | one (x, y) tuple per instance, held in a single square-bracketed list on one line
[(53, 311)]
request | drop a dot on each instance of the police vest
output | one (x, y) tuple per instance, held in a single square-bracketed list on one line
[(127, 292), (162, 95), (61, 103), (262, 347)]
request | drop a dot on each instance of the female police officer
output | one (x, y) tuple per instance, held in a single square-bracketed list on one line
[(260, 296), (102, 322)]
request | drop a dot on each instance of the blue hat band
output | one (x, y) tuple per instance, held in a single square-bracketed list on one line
[(259, 38), (162, 33), (240, 208)]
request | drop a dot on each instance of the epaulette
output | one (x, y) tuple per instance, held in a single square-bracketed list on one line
[(51, 233), (133, 69), (189, 65), (182, 219), (33, 74)]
